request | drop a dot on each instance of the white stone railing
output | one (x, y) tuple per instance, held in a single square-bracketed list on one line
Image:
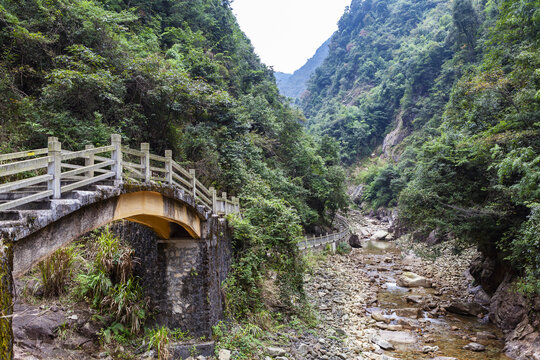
[(50, 172), (333, 238)]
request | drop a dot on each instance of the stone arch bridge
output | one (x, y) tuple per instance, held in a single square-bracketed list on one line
[(50, 197)]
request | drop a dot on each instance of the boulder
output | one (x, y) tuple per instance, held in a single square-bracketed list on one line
[(398, 337), (508, 308), (488, 272), (434, 238), (474, 347), (224, 354), (466, 308), (354, 241), (379, 316), (31, 323), (380, 235), (414, 299), (383, 344), (412, 313), (411, 280), (302, 349), (481, 297), (485, 335)]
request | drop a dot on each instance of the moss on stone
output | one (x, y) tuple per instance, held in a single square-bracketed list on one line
[(6, 300)]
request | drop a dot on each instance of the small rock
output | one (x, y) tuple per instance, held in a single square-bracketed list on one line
[(474, 347), (224, 354), (429, 349), (275, 351), (383, 344)]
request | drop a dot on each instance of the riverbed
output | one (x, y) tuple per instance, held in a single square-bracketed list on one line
[(357, 297)]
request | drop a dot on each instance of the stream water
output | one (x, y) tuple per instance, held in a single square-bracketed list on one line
[(450, 332)]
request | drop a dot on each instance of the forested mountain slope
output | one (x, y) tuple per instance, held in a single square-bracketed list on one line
[(453, 89), (293, 85), (181, 75), (177, 74)]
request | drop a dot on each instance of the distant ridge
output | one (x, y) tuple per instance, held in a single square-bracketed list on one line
[(293, 85)]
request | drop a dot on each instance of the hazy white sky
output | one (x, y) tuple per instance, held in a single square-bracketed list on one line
[(285, 33)]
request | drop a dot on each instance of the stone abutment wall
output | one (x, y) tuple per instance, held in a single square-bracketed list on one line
[(182, 276)]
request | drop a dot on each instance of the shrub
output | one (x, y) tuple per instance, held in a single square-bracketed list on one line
[(110, 286), (113, 257), (126, 303), (525, 253), (159, 339), (265, 241), (383, 187), (343, 248), (94, 286), (56, 270)]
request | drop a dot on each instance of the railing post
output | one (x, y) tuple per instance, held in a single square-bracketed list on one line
[(89, 161), (214, 199), (116, 141), (224, 196), (233, 205), (193, 182), (168, 166), (54, 167), (145, 161)]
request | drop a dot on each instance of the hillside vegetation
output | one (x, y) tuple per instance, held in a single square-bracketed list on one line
[(453, 88), (180, 75)]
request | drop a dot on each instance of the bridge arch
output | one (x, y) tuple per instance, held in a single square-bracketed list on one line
[(158, 212), (167, 213)]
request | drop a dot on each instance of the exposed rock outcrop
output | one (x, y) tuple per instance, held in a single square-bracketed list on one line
[(394, 138)]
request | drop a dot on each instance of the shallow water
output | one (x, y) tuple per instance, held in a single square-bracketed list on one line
[(439, 329)]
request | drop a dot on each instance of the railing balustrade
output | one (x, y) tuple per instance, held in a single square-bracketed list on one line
[(336, 237), (50, 172)]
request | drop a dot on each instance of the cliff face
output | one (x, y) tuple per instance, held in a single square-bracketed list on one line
[(294, 85)]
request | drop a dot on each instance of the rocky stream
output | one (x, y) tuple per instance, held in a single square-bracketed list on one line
[(382, 301)]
